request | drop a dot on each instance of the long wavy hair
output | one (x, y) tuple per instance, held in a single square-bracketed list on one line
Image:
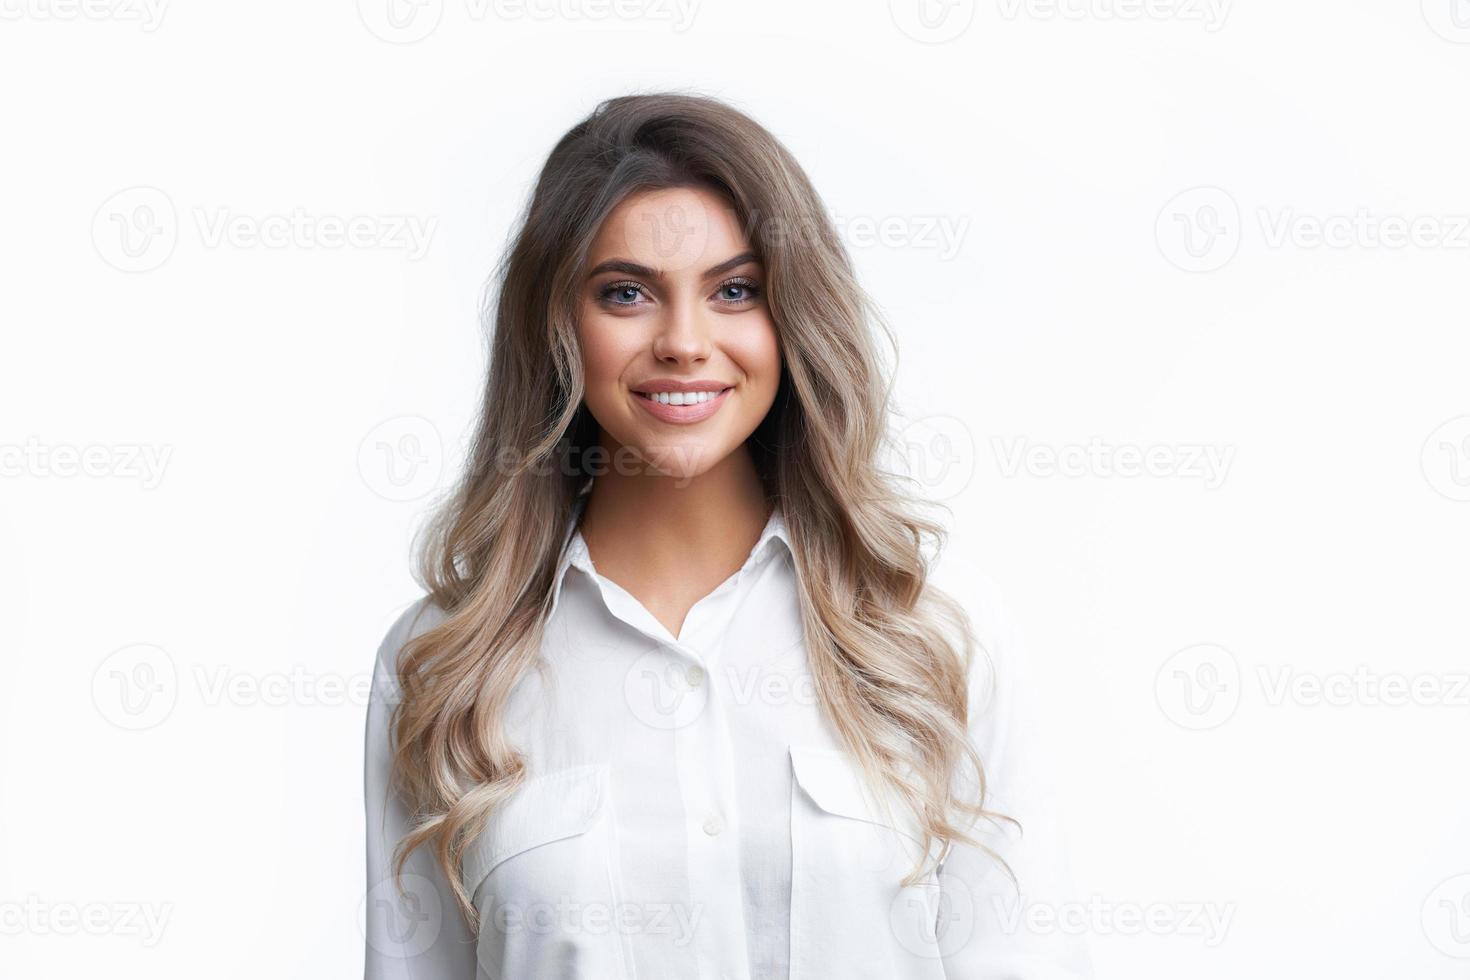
[(889, 653)]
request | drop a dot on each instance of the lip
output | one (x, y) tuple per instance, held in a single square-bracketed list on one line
[(659, 385), (682, 414)]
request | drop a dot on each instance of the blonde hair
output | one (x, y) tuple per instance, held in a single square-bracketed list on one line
[(889, 653)]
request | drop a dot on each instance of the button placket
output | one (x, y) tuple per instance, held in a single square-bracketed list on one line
[(706, 777)]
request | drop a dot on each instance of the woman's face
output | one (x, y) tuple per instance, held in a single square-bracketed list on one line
[(679, 352)]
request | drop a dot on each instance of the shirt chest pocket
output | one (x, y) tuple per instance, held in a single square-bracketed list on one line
[(543, 876), (851, 915)]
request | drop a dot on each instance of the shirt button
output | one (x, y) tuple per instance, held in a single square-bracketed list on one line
[(713, 825), (695, 675)]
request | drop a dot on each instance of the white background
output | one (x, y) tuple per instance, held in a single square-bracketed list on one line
[(217, 448)]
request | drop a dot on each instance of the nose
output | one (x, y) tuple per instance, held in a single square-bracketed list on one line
[(683, 335)]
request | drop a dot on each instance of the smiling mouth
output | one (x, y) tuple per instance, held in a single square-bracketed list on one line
[(683, 407), (681, 397)]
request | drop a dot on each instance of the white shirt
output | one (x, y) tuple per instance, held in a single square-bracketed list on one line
[(688, 813)]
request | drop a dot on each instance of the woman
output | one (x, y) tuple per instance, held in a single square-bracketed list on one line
[(680, 701)]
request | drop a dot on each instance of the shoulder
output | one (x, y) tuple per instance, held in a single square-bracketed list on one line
[(420, 616)]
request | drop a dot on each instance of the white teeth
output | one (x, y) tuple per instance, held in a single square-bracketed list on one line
[(683, 397)]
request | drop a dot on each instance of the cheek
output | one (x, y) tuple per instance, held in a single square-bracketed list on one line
[(603, 353), (758, 352)]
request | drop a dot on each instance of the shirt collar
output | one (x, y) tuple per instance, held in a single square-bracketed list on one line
[(574, 552)]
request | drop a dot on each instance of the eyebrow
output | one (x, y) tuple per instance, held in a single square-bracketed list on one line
[(634, 269)]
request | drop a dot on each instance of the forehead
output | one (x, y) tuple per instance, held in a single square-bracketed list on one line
[(673, 229)]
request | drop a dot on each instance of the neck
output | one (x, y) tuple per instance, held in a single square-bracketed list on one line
[(668, 525)]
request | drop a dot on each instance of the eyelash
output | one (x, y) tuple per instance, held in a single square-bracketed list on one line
[(752, 289)]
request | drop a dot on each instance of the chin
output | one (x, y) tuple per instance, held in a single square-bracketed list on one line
[(682, 460)]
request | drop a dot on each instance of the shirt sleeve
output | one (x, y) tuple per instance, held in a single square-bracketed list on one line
[(988, 927), (413, 927)]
